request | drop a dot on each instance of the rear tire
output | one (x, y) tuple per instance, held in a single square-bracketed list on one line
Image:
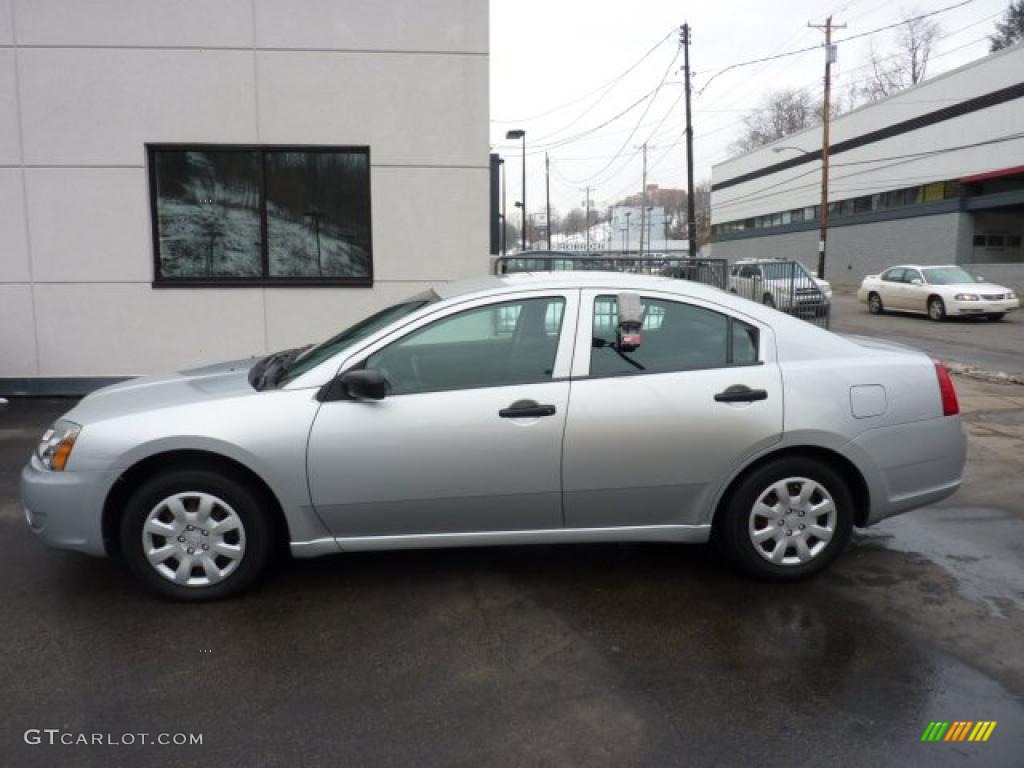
[(936, 309), (812, 527), (875, 306), (196, 535)]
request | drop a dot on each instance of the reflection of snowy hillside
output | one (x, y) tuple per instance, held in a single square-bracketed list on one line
[(199, 240), (295, 243)]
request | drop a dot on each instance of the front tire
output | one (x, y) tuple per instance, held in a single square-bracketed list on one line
[(995, 317), (787, 520), (195, 535), (936, 309), (875, 306)]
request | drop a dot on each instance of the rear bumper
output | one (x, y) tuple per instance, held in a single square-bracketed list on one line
[(915, 464), (65, 509)]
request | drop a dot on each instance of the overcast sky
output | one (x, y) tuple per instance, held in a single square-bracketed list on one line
[(548, 55)]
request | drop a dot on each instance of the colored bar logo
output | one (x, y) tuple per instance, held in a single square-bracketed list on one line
[(958, 730)]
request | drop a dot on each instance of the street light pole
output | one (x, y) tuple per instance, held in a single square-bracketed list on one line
[(521, 134)]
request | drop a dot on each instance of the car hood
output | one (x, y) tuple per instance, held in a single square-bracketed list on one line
[(146, 393)]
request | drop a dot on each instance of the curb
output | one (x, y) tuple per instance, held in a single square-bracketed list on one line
[(973, 372)]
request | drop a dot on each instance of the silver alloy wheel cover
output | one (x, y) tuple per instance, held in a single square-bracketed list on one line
[(792, 521), (875, 302), (193, 530), (935, 309)]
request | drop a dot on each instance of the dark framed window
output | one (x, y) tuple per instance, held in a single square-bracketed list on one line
[(266, 215)]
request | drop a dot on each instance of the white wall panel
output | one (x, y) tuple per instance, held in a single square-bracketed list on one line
[(13, 245), (100, 106), (10, 151), (6, 23), (17, 342), (297, 316), (425, 223), (135, 22), (89, 224), (106, 329), (399, 25), (420, 109)]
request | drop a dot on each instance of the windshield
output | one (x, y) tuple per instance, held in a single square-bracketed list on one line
[(948, 276), (313, 357)]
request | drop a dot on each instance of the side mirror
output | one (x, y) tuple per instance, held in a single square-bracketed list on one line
[(917, 281), (365, 384)]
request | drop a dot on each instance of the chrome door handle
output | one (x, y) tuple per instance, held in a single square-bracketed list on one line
[(524, 409)]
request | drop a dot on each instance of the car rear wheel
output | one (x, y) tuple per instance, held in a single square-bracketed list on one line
[(786, 520), (936, 309), (196, 535), (875, 306)]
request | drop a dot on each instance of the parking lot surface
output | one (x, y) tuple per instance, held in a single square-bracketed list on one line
[(968, 340), (549, 655)]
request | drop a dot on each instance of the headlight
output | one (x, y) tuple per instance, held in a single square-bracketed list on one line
[(1011, 295), (55, 446), (966, 297)]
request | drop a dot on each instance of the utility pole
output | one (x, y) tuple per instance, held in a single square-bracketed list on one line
[(826, 118), (547, 197), (628, 214), (691, 218), (586, 220)]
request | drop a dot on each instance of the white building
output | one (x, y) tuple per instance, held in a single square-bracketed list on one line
[(184, 181), (934, 174)]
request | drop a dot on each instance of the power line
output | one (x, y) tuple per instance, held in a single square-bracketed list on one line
[(785, 54), (609, 85), (899, 160)]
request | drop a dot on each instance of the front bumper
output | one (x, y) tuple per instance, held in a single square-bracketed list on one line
[(982, 307), (65, 509)]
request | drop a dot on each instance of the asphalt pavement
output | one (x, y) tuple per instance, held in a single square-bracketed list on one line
[(571, 655), (992, 346)]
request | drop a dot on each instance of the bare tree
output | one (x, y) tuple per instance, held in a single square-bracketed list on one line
[(575, 221), (1011, 29), (908, 64), (781, 113)]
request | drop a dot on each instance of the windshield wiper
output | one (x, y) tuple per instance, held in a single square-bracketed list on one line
[(269, 369)]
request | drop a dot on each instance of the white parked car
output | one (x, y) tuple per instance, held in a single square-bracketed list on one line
[(938, 291), (778, 283)]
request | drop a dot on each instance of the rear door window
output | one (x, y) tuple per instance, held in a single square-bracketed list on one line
[(675, 337)]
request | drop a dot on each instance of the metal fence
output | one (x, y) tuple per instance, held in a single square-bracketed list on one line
[(784, 285), (709, 271)]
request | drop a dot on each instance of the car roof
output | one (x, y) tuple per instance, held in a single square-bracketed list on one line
[(525, 281)]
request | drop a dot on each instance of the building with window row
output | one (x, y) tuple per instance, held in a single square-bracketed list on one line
[(931, 175), (183, 182)]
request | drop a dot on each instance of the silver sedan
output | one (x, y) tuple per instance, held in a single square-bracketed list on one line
[(573, 407)]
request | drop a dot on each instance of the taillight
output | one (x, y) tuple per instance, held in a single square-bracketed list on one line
[(950, 405)]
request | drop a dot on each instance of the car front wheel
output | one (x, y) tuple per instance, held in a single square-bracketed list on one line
[(196, 535), (875, 306), (997, 316), (786, 520), (936, 309)]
